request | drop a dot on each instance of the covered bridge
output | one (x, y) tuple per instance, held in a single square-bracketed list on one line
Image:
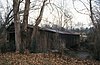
[(48, 39)]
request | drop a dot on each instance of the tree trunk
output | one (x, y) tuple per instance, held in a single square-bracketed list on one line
[(17, 24), (25, 25), (96, 32)]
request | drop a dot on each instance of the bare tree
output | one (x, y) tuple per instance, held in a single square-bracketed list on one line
[(38, 20), (25, 24), (94, 14), (95, 18), (17, 24)]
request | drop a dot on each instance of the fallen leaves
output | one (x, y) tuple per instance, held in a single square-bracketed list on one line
[(42, 59)]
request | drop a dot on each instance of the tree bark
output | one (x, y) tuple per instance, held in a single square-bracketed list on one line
[(17, 24), (25, 24)]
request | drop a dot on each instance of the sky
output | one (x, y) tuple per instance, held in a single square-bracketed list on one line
[(81, 18), (68, 5)]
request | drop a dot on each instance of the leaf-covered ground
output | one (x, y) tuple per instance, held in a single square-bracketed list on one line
[(41, 59)]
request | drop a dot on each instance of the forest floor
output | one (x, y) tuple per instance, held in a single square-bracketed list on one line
[(42, 59)]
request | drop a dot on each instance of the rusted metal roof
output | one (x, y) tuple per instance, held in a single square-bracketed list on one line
[(53, 30), (61, 32)]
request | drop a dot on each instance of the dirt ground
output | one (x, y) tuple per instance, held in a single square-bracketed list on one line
[(42, 59)]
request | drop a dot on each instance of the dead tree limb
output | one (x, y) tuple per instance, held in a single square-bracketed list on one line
[(38, 20)]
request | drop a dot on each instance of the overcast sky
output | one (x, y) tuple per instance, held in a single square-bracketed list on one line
[(77, 16), (68, 5)]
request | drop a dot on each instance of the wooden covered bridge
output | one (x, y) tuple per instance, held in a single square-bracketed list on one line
[(48, 39)]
